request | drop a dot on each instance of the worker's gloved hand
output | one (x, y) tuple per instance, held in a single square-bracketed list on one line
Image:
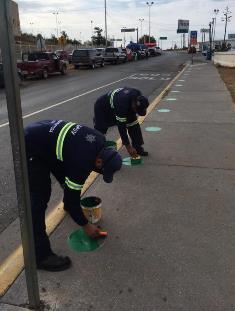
[(92, 230), (132, 152)]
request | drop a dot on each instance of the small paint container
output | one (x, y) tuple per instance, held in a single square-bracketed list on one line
[(111, 144), (91, 207), (136, 161)]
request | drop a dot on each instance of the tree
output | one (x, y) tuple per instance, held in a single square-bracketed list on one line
[(98, 39), (145, 39), (64, 34)]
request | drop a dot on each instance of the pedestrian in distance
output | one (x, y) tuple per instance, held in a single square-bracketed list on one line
[(121, 107), (70, 152)]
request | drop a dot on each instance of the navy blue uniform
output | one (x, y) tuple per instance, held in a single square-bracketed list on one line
[(68, 151), (115, 108)]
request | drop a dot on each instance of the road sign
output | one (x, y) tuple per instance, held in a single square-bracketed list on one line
[(128, 30), (183, 26), (231, 36), (163, 38), (193, 37), (205, 30)]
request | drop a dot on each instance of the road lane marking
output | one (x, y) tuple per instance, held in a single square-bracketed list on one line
[(69, 99), (14, 263)]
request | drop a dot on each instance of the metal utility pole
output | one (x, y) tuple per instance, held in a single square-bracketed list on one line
[(141, 26), (216, 12), (105, 18), (210, 38), (7, 44), (137, 35), (56, 21), (149, 4), (226, 19)]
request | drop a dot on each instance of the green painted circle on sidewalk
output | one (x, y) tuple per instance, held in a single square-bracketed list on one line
[(153, 129), (132, 162), (79, 241), (163, 110)]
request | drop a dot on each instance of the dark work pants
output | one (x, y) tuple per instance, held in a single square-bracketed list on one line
[(133, 131), (40, 192)]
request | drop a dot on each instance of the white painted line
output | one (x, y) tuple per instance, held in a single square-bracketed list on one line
[(68, 100), (171, 99), (181, 80), (175, 91), (178, 85)]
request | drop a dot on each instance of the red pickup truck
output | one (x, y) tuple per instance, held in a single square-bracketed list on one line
[(41, 64)]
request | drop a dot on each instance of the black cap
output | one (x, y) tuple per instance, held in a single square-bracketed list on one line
[(112, 162), (142, 104)]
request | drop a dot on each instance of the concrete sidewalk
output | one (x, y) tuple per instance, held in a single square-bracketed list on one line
[(170, 221)]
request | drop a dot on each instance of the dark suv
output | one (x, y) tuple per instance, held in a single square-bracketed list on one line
[(87, 57)]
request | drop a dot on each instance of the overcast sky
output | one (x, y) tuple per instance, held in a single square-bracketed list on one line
[(75, 17)]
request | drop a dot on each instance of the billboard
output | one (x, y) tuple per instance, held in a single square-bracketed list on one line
[(163, 38), (183, 26), (128, 30), (193, 37)]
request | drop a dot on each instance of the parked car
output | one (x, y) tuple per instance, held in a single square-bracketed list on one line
[(100, 51), (41, 64), (87, 57), (129, 54), (114, 55), (70, 57), (158, 50), (2, 84)]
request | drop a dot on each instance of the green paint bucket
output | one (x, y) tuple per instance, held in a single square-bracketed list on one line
[(91, 207), (132, 161), (79, 241), (111, 144)]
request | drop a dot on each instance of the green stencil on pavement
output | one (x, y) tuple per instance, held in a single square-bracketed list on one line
[(153, 129), (163, 110), (79, 241), (132, 162)]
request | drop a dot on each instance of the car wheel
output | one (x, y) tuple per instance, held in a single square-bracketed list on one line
[(44, 74), (64, 70), (117, 61), (93, 66), (102, 63)]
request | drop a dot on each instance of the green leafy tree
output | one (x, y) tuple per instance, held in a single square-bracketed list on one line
[(98, 39), (145, 39)]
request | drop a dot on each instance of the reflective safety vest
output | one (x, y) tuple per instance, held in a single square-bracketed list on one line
[(59, 154)]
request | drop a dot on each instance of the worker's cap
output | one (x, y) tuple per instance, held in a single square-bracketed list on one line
[(112, 162), (142, 104)]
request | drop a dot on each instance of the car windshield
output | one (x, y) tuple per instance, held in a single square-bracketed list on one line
[(37, 56), (81, 53), (111, 50)]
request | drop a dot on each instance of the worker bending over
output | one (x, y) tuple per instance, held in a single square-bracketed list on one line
[(121, 107), (70, 152)]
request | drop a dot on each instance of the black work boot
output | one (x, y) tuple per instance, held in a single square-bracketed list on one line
[(140, 150), (55, 263)]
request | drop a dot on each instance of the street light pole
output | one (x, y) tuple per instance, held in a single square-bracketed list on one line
[(149, 4), (141, 22), (216, 11), (105, 17), (56, 21), (91, 33), (31, 24)]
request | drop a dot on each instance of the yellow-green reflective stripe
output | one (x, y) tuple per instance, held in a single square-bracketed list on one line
[(112, 95), (133, 123), (121, 119), (60, 140), (72, 185)]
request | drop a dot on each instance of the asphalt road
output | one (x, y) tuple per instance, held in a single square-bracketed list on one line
[(72, 98)]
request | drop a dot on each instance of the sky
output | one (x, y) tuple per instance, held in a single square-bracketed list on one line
[(79, 17)]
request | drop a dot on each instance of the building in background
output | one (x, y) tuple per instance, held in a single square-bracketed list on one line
[(15, 18)]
